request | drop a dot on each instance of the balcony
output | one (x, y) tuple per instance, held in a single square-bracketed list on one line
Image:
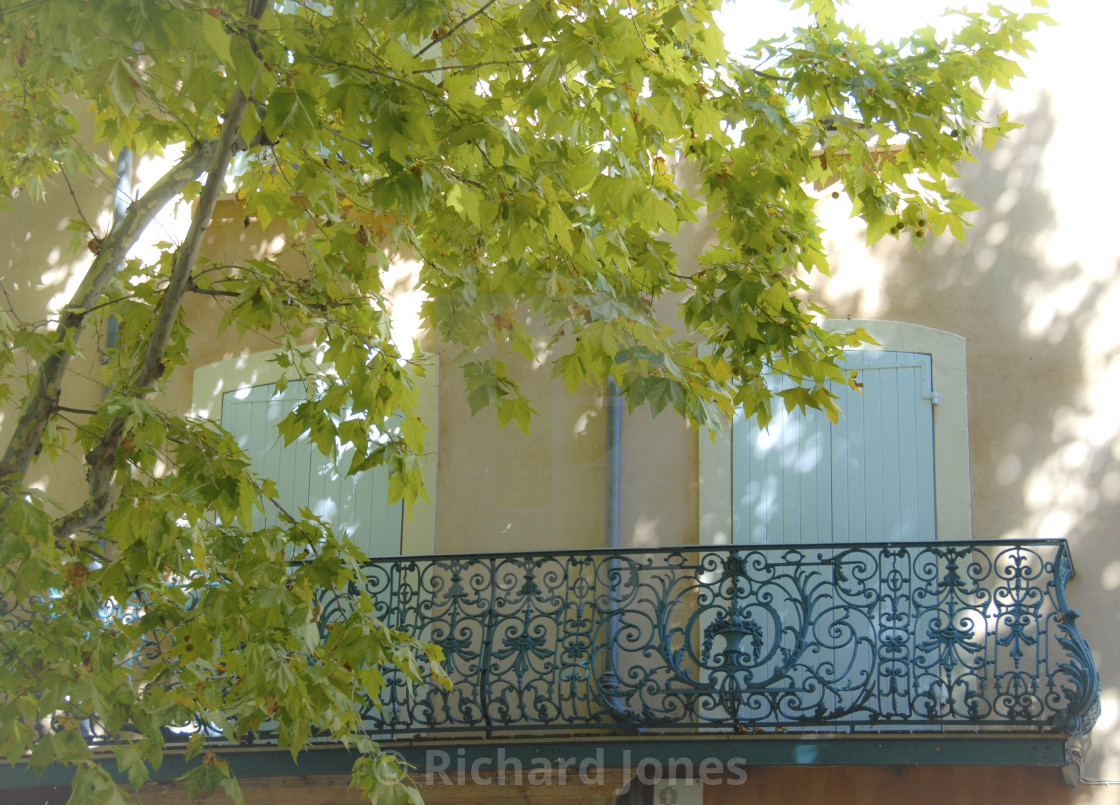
[(873, 638), (895, 653)]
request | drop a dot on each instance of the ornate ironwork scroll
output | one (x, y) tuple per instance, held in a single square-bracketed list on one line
[(860, 638), (854, 637)]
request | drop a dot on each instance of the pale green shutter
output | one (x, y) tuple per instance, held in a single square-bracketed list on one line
[(305, 477), (867, 479)]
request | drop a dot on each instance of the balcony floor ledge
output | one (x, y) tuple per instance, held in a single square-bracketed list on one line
[(490, 756)]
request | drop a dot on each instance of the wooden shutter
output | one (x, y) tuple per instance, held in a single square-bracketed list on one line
[(305, 477), (867, 479)]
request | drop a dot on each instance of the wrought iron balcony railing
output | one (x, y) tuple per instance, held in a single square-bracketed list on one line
[(861, 638), (903, 637)]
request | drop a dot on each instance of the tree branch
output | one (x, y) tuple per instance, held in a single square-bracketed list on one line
[(101, 459), (475, 66), (39, 405)]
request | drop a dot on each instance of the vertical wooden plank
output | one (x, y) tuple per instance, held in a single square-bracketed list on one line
[(866, 477), (757, 517), (891, 465), (849, 464), (812, 472), (388, 520), (273, 410), (925, 486), (741, 498), (288, 471), (788, 459), (908, 390), (352, 509), (301, 456), (234, 418), (820, 480), (321, 483), (256, 404), (838, 473)]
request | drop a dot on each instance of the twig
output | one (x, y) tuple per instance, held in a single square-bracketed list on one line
[(70, 410), (456, 27), (11, 307)]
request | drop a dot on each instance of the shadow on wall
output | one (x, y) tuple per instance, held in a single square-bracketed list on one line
[(1043, 372), (43, 261), (41, 267)]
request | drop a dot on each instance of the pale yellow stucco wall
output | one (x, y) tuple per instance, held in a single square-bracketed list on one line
[(503, 490)]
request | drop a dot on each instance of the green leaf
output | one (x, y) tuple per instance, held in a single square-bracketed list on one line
[(39, 346), (213, 31), (194, 746), (131, 762), (205, 778), (956, 226), (290, 115), (465, 200), (244, 64), (233, 790)]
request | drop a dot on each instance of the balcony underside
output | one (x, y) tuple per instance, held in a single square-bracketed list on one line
[(675, 755)]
